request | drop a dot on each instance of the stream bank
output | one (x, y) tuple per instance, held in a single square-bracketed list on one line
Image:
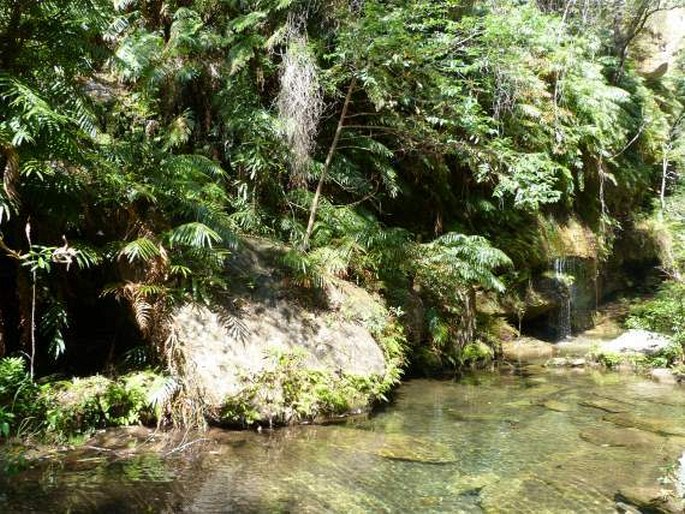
[(525, 439)]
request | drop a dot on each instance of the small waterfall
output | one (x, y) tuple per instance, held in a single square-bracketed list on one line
[(564, 279), (680, 476)]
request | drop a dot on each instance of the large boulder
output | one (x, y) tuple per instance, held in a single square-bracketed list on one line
[(223, 355), (232, 345), (658, 47), (637, 341)]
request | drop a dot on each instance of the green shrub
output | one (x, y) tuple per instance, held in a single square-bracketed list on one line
[(289, 392), (6, 419), (19, 401), (664, 313), (475, 353), (82, 405)]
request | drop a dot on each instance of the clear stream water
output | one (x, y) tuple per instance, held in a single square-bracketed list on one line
[(525, 440)]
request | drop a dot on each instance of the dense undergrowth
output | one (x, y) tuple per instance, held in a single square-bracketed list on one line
[(428, 151), (61, 410)]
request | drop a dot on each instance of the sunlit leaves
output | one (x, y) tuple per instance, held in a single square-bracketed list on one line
[(141, 250), (52, 325), (457, 260), (194, 234)]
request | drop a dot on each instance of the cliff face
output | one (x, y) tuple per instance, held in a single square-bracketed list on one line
[(658, 48)]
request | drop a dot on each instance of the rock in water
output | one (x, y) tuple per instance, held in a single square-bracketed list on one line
[(637, 341), (653, 500)]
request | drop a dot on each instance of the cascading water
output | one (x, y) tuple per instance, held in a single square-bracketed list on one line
[(565, 281)]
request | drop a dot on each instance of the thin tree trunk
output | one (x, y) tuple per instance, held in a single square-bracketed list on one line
[(327, 165), (10, 41), (664, 173), (24, 310), (33, 326), (602, 201), (32, 356)]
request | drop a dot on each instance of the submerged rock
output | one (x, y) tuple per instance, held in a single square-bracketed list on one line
[(392, 446), (649, 499), (556, 406), (622, 438), (606, 405), (413, 449), (666, 427), (566, 362), (472, 484), (636, 341)]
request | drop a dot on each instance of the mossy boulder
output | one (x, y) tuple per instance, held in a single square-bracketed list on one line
[(81, 405), (280, 352)]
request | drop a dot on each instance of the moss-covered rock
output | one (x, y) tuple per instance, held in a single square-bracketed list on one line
[(81, 405), (274, 354)]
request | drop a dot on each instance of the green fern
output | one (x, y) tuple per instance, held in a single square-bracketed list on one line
[(140, 250)]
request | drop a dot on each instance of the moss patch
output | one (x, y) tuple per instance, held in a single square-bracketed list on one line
[(288, 392)]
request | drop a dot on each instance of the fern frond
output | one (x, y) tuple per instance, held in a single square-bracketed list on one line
[(190, 164), (142, 250), (142, 313), (53, 321), (233, 325), (195, 234), (161, 392)]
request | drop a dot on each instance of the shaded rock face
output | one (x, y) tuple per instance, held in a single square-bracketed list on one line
[(662, 41), (226, 345), (222, 360), (637, 341)]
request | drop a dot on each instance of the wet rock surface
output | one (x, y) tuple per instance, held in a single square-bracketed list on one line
[(621, 437), (663, 426), (566, 362), (665, 376), (606, 405), (527, 349), (653, 500)]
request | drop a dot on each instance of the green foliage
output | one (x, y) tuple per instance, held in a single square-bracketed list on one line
[(670, 357), (19, 402), (288, 392), (609, 360), (476, 353), (665, 312), (139, 142), (83, 405), (457, 260)]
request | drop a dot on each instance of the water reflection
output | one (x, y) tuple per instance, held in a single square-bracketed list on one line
[(513, 442)]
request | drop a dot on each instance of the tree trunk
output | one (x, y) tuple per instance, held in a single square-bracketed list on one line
[(664, 174), (467, 321), (327, 165), (24, 295)]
